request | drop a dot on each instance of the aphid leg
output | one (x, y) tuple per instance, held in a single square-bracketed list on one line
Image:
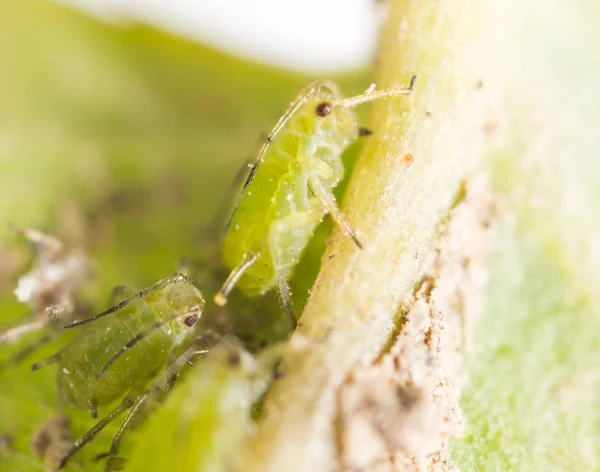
[(188, 361), (170, 383), (247, 261), (218, 220), (114, 464), (286, 299), (170, 374), (127, 403), (94, 409), (114, 461), (29, 349), (327, 199), (157, 286), (285, 250), (46, 362)]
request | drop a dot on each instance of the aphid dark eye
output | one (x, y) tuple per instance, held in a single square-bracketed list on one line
[(191, 320), (323, 109)]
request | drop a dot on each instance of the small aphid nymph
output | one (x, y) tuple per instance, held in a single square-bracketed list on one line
[(118, 355), (292, 189)]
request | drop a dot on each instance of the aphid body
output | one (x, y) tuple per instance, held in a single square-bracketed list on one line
[(290, 189), (83, 378), (118, 355)]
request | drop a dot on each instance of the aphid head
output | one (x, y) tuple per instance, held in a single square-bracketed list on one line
[(184, 299), (334, 114), (191, 313), (325, 115)]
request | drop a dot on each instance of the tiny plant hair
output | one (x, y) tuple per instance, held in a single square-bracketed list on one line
[(290, 188), (118, 352)]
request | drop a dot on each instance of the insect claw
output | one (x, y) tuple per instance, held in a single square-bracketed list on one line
[(248, 260), (411, 86), (357, 242), (220, 299)]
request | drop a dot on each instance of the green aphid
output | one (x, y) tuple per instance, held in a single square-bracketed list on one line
[(120, 355), (290, 189)]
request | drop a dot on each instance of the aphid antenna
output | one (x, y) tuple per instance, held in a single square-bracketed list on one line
[(146, 332), (177, 276), (247, 261), (13, 334), (371, 95)]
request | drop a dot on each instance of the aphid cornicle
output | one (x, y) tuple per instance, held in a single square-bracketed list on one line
[(290, 189), (120, 354)]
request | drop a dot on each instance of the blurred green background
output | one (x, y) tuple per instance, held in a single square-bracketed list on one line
[(124, 141)]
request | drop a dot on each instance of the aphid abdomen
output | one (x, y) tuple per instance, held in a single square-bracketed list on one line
[(83, 359), (250, 226), (294, 216)]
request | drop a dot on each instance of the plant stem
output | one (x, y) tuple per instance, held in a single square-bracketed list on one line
[(396, 203)]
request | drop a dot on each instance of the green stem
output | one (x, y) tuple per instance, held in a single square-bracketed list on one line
[(396, 206)]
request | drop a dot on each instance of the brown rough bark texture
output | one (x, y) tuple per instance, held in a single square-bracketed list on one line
[(398, 413)]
